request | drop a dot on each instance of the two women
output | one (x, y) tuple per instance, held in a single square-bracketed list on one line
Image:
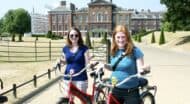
[(76, 55)]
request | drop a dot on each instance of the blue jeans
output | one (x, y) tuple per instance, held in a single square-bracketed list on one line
[(126, 96)]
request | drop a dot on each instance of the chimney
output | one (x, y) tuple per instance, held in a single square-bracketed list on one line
[(72, 6), (110, 1), (63, 3), (91, 1)]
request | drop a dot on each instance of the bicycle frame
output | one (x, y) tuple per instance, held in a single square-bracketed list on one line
[(84, 97), (113, 100)]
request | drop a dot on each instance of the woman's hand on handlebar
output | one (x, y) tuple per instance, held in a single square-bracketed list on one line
[(104, 66), (145, 69), (72, 71)]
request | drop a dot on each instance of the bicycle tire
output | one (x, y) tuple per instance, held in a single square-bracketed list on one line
[(149, 96), (101, 93), (63, 101)]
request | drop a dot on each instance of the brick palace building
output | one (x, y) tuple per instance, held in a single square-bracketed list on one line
[(100, 15)]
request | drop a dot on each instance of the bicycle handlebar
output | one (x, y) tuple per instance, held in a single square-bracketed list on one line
[(58, 64), (140, 74), (90, 66)]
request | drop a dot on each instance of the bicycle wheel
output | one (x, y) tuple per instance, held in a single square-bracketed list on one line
[(63, 101), (101, 93), (147, 98)]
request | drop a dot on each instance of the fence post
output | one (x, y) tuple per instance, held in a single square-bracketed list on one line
[(1, 83), (108, 51), (49, 73), (8, 52), (35, 80), (50, 50), (35, 50), (14, 91), (93, 47)]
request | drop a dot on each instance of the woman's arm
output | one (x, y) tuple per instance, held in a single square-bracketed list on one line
[(108, 67), (141, 66), (62, 59), (87, 57)]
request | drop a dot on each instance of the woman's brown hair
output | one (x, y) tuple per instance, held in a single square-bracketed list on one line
[(80, 41), (129, 45)]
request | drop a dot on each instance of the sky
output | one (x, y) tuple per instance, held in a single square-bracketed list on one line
[(42, 6)]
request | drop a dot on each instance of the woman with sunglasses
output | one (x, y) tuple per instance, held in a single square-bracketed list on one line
[(76, 56)]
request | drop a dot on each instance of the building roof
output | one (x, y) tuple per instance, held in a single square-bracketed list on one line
[(61, 8), (100, 2)]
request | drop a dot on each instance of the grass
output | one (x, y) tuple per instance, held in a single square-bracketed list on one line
[(178, 41), (170, 36)]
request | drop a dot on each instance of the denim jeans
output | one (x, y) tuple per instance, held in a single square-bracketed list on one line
[(127, 97)]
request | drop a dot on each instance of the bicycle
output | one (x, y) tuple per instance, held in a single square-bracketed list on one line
[(145, 90), (85, 98)]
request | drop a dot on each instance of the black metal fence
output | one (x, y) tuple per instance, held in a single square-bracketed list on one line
[(34, 81)]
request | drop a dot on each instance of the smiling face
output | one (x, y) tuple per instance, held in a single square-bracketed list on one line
[(120, 39), (74, 36)]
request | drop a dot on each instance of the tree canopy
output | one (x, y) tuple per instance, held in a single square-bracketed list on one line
[(8, 22), (22, 21), (1, 26), (16, 21), (177, 15)]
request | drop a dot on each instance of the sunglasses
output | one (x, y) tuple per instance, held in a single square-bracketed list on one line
[(73, 35)]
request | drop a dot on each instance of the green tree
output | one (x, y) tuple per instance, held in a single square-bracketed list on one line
[(1, 26), (162, 37), (135, 36), (167, 26), (139, 38), (88, 42), (104, 38), (49, 34), (153, 38), (178, 14), (9, 24), (22, 21)]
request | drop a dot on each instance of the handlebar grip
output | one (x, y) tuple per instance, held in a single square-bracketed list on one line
[(93, 65), (59, 66), (145, 72)]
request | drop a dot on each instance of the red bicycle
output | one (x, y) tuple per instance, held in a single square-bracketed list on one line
[(145, 91), (82, 96)]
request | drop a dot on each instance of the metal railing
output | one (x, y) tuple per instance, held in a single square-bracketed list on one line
[(34, 80)]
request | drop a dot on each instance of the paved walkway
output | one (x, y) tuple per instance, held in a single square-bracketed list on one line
[(50, 96), (170, 71)]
